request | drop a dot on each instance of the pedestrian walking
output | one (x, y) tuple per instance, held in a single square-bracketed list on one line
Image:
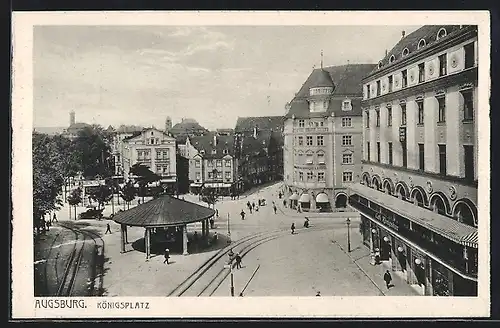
[(217, 213), (167, 256), (253, 205), (212, 223), (274, 208), (249, 206), (242, 215), (54, 218), (318, 293), (238, 261), (306, 222), (108, 228), (387, 279), (284, 203), (293, 228)]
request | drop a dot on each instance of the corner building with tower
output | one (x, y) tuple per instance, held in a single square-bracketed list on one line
[(417, 190), (322, 138)]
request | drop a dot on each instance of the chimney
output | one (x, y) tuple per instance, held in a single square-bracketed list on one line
[(255, 132), (403, 34), (385, 52), (215, 139)]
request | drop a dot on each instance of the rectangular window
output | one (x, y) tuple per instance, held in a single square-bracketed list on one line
[(301, 159), (309, 158), (301, 123), (346, 122), (442, 159), (368, 150), (197, 163), (442, 65), (421, 157), (441, 109), (420, 105), (421, 73), (198, 176), (301, 176), (390, 152), (405, 155), (404, 79), (390, 83), (377, 117), (378, 88), (389, 116), (469, 55), (367, 118), (309, 141), (219, 163), (469, 162), (468, 106), (214, 151), (158, 154), (209, 163), (403, 114), (228, 175), (347, 177), (319, 140), (309, 176), (346, 105), (346, 158), (346, 140), (321, 176), (210, 175), (368, 91), (228, 162), (301, 141), (224, 151), (321, 158), (378, 152)]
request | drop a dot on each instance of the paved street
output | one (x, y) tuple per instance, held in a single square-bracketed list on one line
[(302, 264)]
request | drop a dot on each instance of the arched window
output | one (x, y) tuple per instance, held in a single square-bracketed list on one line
[(392, 59), (406, 51), (441, 33), (463, 213), (365, 179), (388, 187), (376, 183), (438, 206), (421, 44), (401, 192), (418, 198)]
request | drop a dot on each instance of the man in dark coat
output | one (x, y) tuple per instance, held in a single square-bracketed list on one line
[(242, 215), (293, 228), (167, 256), (387, 279), (238, 261)]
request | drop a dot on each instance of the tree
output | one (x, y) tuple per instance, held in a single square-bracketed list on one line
[(144, 177), (209, 196), (128, 193), (93, 152), (102, 195), (75, 198), (47, 178)]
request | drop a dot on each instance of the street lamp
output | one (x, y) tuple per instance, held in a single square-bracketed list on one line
[(348, 221), (228, 230), (229, 266)]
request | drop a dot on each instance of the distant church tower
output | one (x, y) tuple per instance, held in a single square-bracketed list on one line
[(71, 118), (168, 124)]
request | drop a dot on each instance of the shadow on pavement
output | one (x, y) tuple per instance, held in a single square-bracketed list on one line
[(158, 248)]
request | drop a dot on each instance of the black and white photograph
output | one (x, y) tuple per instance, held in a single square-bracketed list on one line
[(228, 160)]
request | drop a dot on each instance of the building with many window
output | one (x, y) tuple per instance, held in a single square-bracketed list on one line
[(417, 191), (155, 149), (322, 137), (213, 164)]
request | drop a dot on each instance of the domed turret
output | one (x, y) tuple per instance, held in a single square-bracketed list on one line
[(319, 90)]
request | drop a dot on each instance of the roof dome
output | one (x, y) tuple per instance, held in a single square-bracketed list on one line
[(322, 79)]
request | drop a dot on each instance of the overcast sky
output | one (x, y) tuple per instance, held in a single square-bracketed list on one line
[(140, 75)]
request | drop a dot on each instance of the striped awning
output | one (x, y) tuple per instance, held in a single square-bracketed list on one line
[(294, 196), (304, 198), (457, 231), (470, 240)]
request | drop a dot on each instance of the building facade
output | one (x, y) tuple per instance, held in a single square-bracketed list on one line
[(417, 192), (259, 150), (156, 150), (117, 146), (213, 164), (322, 138)]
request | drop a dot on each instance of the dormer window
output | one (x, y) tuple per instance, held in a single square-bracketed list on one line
[(441, 33), (380, 64), (392, 59), (202, 152), (346, 105), (421, 44), (214, 151), (405, 52), (224, 151)]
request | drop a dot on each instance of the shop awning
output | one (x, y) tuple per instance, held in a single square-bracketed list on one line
[(447, 227), (304, 198), (293, 197), (322, 198)]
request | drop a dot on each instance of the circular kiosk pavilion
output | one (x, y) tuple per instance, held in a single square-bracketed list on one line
[(162, 213)]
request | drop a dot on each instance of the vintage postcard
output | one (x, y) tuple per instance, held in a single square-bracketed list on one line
[(250, 164)]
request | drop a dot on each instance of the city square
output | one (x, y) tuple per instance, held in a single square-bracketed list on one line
[(358, 177)]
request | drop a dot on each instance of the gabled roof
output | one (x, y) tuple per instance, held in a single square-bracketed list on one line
[(138, 133), (205, 143), (163, 211), (428, 33), (247, 124)]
